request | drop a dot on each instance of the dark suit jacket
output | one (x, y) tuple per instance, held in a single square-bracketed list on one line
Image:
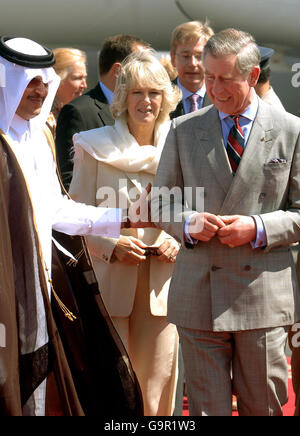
[(89, 111), (180, 109)]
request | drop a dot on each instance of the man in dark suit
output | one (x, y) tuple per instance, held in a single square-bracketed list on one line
[(91, 110), (187, 43)]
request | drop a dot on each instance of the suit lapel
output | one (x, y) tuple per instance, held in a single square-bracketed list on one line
[(135, 179), (206, 101), (104, 112), (102, 105), (178, 111), (212, 145), (259, 143)]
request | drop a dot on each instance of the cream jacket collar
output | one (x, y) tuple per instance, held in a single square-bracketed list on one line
[(114, 145)]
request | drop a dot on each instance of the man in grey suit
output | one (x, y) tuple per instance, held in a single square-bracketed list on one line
[(234, 291), (187, 43), (91, 110)]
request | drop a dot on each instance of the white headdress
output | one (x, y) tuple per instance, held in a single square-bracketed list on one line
[(21, 60)]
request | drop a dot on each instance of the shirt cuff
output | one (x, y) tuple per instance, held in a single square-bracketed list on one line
[(261, 237), (187, 236), (106, 223)]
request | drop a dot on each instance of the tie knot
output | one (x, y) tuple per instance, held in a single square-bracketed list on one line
[(236, 119), (194, 97)]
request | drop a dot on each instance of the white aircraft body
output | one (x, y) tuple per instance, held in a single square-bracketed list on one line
[(85, 24)]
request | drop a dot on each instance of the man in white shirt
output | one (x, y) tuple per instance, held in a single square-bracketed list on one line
[(27, 89)]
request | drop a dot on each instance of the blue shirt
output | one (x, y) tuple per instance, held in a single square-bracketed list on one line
[(186, 94), (246, 121), (109, 95)]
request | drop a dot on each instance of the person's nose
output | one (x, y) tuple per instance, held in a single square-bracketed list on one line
[(42, 89), (83, 84), (146, 97), (217, 87), (194, 61)]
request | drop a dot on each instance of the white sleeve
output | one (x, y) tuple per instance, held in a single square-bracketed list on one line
[(75, 218), (80, 219)]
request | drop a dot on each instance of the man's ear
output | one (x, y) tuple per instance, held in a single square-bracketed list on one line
[(115, 69), (254, 76), (172, 56)]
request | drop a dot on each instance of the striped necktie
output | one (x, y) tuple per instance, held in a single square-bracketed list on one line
[(235, 144), (194, 102)]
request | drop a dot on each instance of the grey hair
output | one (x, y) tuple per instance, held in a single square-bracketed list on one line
[(237, 42), (142, 68)]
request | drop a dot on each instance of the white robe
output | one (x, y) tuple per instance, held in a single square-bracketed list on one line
[(52, 210)]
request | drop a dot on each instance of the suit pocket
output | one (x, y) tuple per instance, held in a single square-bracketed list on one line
[(276, 178), (280, 249), (277, 166)]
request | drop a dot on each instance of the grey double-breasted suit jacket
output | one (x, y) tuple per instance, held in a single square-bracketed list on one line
[(215, 287)]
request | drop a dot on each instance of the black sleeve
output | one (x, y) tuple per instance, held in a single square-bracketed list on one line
[(70, 121)]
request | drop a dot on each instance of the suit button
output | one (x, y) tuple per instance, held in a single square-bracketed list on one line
[(105, 257), (262, 196), (215, 268), (247, 268)]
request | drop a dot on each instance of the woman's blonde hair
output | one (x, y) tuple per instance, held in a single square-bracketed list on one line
[(65, 59), (142, 68)]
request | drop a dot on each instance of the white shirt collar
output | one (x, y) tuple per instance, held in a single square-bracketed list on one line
[(20, 126)]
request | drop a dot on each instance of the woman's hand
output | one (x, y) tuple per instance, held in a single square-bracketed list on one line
[(130, 250), (168, 250)]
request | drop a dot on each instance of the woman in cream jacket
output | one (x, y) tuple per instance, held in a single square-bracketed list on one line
[(112, 165)]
